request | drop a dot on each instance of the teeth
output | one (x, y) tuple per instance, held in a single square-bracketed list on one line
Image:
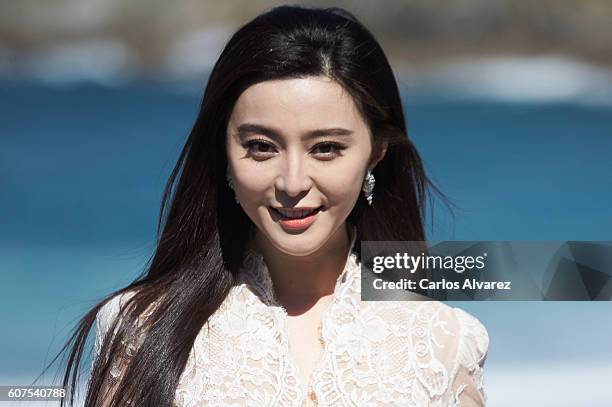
[(295, 214)]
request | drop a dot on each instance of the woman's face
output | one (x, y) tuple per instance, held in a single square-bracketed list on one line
[(297, 143)]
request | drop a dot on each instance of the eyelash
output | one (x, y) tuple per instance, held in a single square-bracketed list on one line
[(336, 147)]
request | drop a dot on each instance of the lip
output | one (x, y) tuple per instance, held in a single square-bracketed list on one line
[(299, 223), (298, 209)]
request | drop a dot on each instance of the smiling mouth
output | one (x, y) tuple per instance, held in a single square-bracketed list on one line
[(295, 213)]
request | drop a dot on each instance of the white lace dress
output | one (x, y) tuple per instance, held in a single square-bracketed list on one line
[(401, 353)]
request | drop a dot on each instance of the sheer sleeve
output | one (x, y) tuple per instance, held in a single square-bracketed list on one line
[(105, 320), (467, 380)]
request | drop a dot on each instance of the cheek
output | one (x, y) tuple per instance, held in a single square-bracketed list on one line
[(341, 186), (253, 183)]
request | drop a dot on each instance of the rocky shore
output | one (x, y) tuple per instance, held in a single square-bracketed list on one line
[(157, 37)]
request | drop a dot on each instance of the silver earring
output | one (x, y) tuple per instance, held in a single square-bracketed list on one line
[(368, 186), (230, 182)]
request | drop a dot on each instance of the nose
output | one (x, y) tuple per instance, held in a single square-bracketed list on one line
[(293, 178)]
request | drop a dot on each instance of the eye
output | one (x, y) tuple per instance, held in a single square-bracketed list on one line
[(259, 149), (328, 150)]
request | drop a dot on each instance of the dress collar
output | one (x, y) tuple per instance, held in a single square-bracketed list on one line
[(254, 273)]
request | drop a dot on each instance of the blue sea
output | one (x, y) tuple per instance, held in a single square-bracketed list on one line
[(83, 166)]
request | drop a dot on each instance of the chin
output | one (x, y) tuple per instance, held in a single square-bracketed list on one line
[(296, 245)]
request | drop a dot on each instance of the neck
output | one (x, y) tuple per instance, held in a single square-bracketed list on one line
[(300, 282)]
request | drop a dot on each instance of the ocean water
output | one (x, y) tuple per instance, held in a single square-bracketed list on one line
[(82, 169)]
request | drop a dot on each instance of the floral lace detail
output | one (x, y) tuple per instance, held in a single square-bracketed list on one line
[(394, 353)]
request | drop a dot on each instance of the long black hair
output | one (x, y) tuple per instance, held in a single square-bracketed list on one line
[(203, 232)]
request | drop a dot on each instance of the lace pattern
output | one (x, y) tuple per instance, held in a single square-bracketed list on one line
[(407, 353)]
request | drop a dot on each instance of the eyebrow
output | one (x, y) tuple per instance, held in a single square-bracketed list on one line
[(251, 128)]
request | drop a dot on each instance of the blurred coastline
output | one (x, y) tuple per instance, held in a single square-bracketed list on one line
[(509, 103), (515, 50)]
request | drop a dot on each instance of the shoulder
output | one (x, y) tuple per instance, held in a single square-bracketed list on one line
[(109, 311), (463, 340), (106, 316), (473, 340), (458, 346), (444, 346), (436, 330)]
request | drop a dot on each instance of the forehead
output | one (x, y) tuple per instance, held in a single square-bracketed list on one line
[(298, 104)]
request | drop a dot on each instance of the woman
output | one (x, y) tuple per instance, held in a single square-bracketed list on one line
[(298, 154)]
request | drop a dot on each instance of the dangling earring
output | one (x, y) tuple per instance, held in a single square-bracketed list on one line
[(368, 186), (230, 182)]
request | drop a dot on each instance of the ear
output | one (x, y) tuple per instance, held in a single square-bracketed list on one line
[(378, 153)]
